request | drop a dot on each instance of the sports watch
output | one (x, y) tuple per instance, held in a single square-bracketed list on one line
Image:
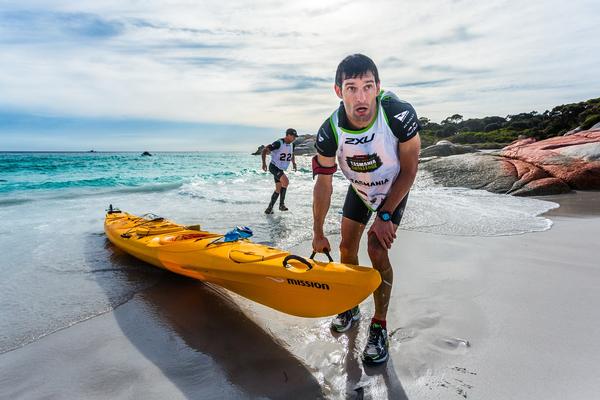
[(384, 216)]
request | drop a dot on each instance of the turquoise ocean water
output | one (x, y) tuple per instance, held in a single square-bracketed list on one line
[(57, 268)]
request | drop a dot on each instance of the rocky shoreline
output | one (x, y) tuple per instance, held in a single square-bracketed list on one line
[(524, 168)]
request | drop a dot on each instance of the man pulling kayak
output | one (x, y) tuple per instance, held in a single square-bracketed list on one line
[(374, 137)]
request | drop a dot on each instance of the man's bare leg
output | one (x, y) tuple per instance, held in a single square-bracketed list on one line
[(351, 233), (381, 262), (376, 350)]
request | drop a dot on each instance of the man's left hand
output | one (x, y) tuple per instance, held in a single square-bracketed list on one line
[(384, 231)]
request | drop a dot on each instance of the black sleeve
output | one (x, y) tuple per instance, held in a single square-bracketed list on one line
[(326, 143), (401, 117), (275, 145)]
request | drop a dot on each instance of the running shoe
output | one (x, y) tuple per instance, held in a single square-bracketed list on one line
[(342, 322), (376, 350)]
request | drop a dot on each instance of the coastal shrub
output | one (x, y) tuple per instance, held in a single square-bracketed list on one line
[(472, 125), (427, 138), (501, 137), (492, 127), (494, 131), (446, 131), (590, 121)]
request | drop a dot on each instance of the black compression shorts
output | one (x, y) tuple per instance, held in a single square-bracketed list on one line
[(277, 173), (355, 209)]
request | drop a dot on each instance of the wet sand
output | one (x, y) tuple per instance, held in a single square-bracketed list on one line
[(471, 317)]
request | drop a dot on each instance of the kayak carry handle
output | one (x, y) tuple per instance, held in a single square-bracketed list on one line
[(297, 258), (312, 256), (112, 210)]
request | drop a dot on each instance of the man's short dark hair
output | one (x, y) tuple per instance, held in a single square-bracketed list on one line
[(353, 66)]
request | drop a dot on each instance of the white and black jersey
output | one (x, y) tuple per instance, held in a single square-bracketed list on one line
[(281, 153), (369, 157)]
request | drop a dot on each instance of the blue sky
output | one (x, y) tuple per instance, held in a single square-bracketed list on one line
[(215, 75)]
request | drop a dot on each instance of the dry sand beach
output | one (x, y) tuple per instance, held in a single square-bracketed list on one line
[(507, 317)]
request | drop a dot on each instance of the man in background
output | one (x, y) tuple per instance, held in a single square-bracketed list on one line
[(282, 153)]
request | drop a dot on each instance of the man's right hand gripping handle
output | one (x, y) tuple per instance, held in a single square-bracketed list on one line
[(321, 244)]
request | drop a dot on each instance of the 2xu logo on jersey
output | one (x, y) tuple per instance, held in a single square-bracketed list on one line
[(359, 140)]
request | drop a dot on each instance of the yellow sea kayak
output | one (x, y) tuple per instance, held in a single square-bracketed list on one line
[(270, 276)]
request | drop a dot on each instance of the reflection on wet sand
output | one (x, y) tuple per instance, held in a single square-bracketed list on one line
[(277, 229), (378, 382), (208, 321)]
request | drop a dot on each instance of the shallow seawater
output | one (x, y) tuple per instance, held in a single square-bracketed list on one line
[(58, 269)]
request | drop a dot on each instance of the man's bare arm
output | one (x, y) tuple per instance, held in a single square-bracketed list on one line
[(263, 155), (321, 201)]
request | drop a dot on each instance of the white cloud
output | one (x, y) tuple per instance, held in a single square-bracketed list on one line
[(271, 63)]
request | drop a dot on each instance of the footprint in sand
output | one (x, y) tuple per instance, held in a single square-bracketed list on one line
[(403, 334), (412, 329), (452, 344), (427, 321)]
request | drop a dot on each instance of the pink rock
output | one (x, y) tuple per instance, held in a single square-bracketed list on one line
[(574, 159), (542, 187)]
